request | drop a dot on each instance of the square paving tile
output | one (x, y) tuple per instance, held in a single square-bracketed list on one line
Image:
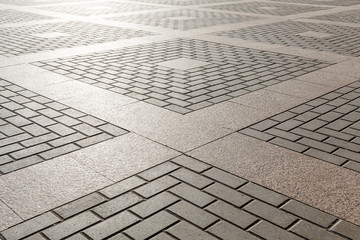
[(340, 40), (40, 37), (352, 16), (137, 72), (268, 8), (184, 19)]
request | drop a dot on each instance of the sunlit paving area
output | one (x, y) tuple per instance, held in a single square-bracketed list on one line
[(180, 119)]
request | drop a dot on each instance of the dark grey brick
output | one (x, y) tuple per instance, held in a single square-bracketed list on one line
[(290, 145), (343, 144), (191, 178), (346, 229), (257, 134), (314, 124), (117, 204), (263, 194), (270, 231), (311, 231), (225, 230), (71, 226), (309, 213), (289, 124), (224, 177), (111, 225), (336, 134), (318, 145), (25, 162), (192, 194), (31, 226), (122, 187), (270, 213), (283, 134), (348, 154), (79, 205), (228, 194), (325, 156), (184, 230), (353, 166), (339, 124), (154, 204), (156, 186), (158, 171), (262, 126), (151, 226), (232, 214), (193, 214)]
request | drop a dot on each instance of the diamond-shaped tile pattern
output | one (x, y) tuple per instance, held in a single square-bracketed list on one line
[(98, 8), (224, 207), (344, 40), (327, 128), (137, 72), (20, 40), (184, 19), (267, 8), (352, 16), (34, 128), (13, 16)]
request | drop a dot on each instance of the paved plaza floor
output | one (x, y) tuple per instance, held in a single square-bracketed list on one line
[(180, 119)]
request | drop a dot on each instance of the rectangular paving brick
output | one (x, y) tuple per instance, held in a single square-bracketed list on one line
[(22, 163), (193, 214), (290, 145), (269, 231), (154, 204), (156, 186), (270, 213), (59, 151), (151, 226), (31, 226), (225, 230), (158, 171), (117, 204), (224, 177), (79, 205), (346, 229), (71, 226), (232, 214), (184, 230), (228, 194), (311, 231), (191, 178), (111, 225), (122, 187), (30, 151), (191, 163), (192, 194)]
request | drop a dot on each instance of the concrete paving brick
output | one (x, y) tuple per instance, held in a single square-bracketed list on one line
[(343, 144), (113, 130), (158, 171), (318, 145), (71, 226), (37, 236), (325, 156), (117, 204), (10, 130), (40, 139), (191, 163), (290, 145), (94, 139), (68, 121), (289, 125), (270, 231), (92, 121), (283, 134), (352, 165), (262, 126), (227, 231), (30, 151), (66, 140), (61, 129), (232, 214), (270, 213), (18, 121), (10, 148), (257, 134), (338, 125), (311, 231), (122, 187), (263, 194), (22, 163), (228, 194), (59, 151), (224, 177), (192, 195), (314, 125), (348, 154), (79, 205), (151, 226), (154, 204), (111, 225), (184, 230), (5, 159), (35, 129), (309, 213), (191, 178), (87, 129), (156, 186), (14, 139), (337, 134), (119, 236), (193, 214), (27, 113), (29, 227), (346, 229), (77, 237)]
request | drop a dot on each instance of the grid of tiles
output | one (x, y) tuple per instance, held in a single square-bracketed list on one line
[(27, 39), (352, 16), (184, 19), (184, 199), (228, 72), (182, 2), (13, 16), (278, 9), (34, 128), (98, 8), (338, 39), (327, 128), (321, 2)]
